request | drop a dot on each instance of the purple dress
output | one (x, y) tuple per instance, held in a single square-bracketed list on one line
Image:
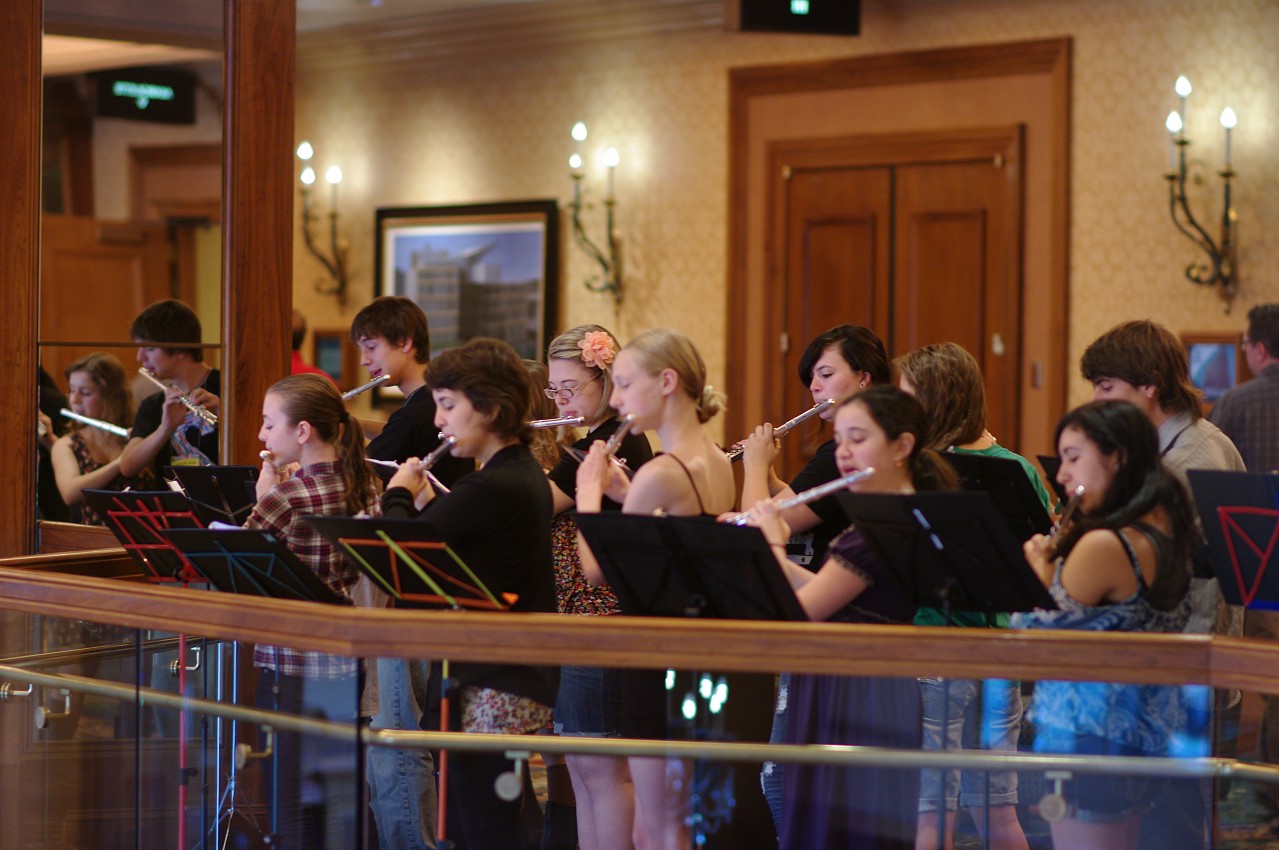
[(826, 806)]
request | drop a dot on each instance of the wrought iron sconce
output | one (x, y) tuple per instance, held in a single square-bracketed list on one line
[(1219, 269), (609, 279), (334, 261)]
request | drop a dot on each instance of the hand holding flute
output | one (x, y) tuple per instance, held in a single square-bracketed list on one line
[(600, 472), (785, 428), (412, 474), (200, 401), (1041, 548)]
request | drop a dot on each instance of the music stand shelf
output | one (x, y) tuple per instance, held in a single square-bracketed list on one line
[(138, 519)]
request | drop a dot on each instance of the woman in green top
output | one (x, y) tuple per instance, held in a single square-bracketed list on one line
[(948, 384)]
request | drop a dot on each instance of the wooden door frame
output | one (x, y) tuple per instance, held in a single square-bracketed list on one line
[(748, 85)]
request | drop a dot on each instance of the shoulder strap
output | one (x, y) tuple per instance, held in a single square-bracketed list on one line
[(1132, 557), (700, 507)]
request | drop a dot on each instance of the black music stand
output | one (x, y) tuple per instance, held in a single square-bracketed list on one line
[(1050, 464), (948, 550), (137, 518), (409, 561), (251, 562), (689, 567), (219, 493), (1240, 516), (1008, 485)]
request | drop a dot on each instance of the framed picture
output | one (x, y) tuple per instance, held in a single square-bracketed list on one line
[(1216, 363), (476, 270)]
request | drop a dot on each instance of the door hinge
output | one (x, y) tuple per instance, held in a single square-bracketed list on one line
[(786, 172), (999, 160), (783, 342)]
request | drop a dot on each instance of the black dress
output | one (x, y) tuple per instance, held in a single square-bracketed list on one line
[(854, 808)]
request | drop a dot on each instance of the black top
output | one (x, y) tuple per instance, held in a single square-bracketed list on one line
[(808, 548), (635, 450), (411, 432), (498, 521), (192, 434)]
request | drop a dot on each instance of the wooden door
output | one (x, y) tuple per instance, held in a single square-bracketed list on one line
[(917, 237), (95, 277), (956, 262), (836, 269)]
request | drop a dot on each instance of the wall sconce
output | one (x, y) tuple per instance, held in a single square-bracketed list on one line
[(609, 279), (1219, 270), (334, 261)]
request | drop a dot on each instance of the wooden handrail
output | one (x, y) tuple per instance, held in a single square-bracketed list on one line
[(650, 642)]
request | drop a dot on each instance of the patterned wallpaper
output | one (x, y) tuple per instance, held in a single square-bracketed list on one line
[(498, 130)]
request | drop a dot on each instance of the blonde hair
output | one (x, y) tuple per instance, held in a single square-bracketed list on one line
[(663, 348), (567, 346)]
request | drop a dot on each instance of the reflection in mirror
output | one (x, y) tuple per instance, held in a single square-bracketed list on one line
[(131, 182)]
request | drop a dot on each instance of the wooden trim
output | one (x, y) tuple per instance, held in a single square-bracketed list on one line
[(654, 642), (895, 69), (257, 199), (73, 537), (171, 155), (20, 151)]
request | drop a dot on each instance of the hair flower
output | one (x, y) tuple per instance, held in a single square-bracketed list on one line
[(597, 349)]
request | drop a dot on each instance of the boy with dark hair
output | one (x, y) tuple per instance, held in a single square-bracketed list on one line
[(394, 340), (165, 432), (1142, 362)]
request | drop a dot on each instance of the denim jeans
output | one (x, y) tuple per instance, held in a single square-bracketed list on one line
[(402, 782), (981, 714)]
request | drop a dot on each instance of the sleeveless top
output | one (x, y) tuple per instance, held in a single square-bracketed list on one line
[(701, 507), (86, 463), (1151, 719)]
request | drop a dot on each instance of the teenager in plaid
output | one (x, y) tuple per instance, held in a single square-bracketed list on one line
[(314, 464)]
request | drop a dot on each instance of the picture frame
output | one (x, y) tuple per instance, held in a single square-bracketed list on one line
[(475, 269), (1216, 363)]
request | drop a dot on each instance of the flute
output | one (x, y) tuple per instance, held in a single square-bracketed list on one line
[(1068, 513), (376, 382), (96, 423), (208, 416), (390, 464), (615, 442), (812, 494), (446, 443), (736, 452), (563, 421)]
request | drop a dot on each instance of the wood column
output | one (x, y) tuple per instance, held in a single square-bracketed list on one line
[(20, 100), (257, 215)]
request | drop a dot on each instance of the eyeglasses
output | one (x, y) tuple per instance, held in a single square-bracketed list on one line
[(567, 393)]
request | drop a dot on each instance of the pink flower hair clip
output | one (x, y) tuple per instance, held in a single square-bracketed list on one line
[(597, 349)]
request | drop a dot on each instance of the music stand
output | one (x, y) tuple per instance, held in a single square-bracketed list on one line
[(689, 567), (137, 518), (1050, 464), (251, 562), (219, 493), (952, 551), (1008, 485), (409, 561), (1240, 516)]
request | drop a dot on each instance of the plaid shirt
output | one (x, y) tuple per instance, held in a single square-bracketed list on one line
[(1249, 415), (316, 489)]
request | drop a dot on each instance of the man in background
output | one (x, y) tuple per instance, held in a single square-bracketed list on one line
[(1249, 415)]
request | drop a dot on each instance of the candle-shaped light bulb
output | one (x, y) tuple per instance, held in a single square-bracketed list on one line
[(1173, 123), (575, 162), (333, 175), (579, 132), (1228, 120), (611, 159), (1183, 87), (305, 151), (308, 175), (1174, 127)]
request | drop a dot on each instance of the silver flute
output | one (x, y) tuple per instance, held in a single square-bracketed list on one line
[(390, 464), (208, 416), (615, 442), (440, 451), (563, 421), (362, 388), (96, 423), (736, 452), (811, 495), (1068, 512)]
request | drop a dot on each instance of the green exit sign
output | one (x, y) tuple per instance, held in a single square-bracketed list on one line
[(799, 7)]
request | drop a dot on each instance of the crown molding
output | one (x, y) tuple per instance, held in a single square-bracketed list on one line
[(500, 33)]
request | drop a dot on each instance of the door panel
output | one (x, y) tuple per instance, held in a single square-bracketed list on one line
[(836, 264)]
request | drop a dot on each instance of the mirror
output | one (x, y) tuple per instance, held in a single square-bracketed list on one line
[(131, 184)]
